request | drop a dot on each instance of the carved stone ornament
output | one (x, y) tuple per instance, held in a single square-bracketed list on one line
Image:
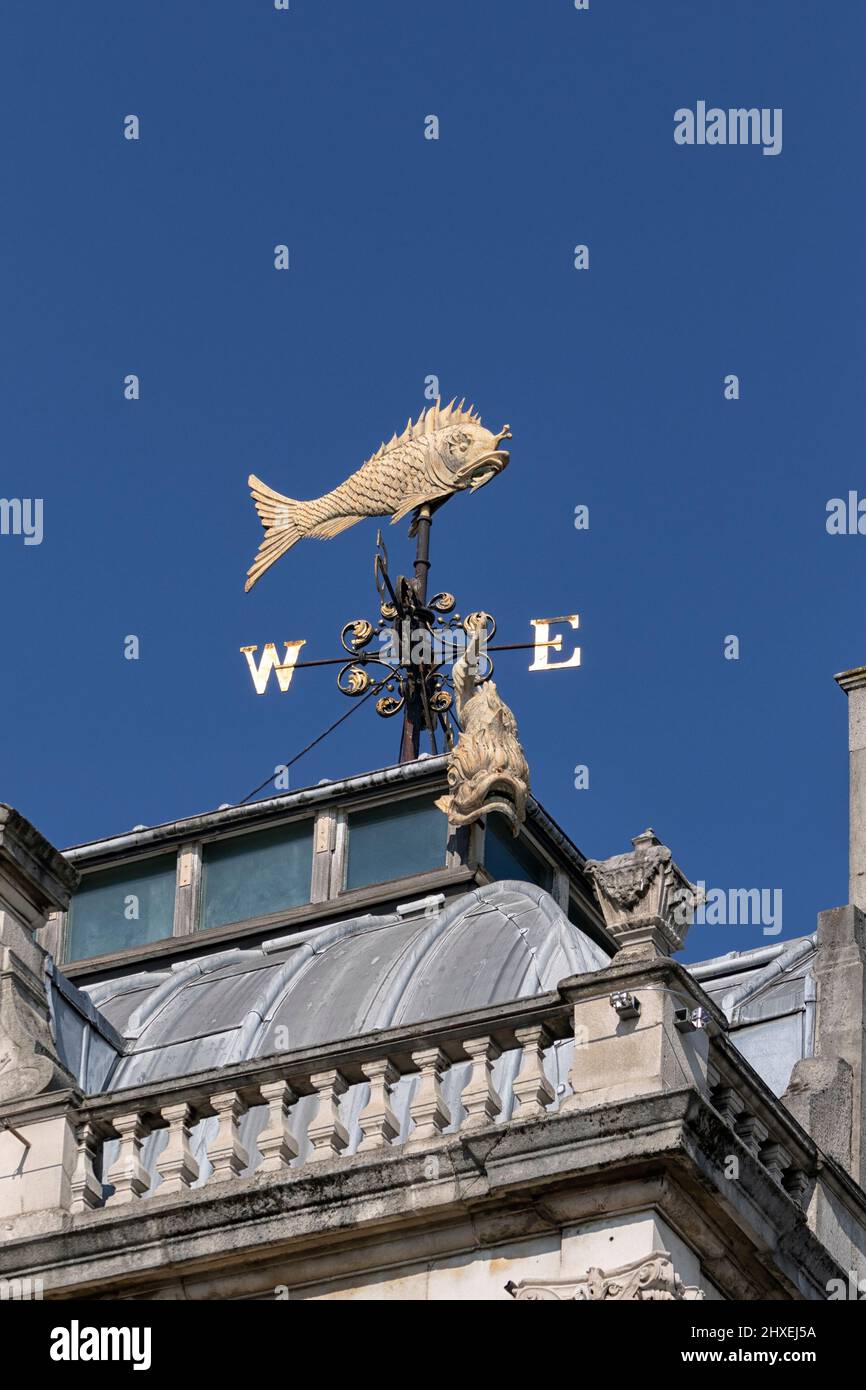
[(647, 901), (28, 1060), (652, 1277), (34, 879), (487, 770)]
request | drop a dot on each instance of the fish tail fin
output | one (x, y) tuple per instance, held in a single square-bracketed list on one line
[(282, 518)]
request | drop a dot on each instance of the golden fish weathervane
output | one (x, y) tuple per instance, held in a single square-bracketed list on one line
[(446, 450)]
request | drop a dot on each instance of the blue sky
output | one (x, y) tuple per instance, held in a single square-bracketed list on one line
[(454, 257)]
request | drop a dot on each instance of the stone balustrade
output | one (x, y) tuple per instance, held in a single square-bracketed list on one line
[(402, 1089), (768, 1132)]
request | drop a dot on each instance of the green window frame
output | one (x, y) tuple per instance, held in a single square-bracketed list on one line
[(125, 905), (256, 874), (397, 840)]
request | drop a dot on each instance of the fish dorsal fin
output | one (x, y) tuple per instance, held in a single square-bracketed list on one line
[(435, 417), (439, 417)]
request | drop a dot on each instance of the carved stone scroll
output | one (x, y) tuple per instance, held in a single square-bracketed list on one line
[(650, 1278)]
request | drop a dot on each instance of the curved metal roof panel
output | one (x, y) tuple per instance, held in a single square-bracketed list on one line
[(506, 941)]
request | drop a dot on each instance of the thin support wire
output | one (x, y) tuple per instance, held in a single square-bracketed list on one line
[(343, 717)]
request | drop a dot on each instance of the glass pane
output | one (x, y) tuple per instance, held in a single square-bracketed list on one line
[(393, 841), (126, 906), (252, 875), (505, 857)]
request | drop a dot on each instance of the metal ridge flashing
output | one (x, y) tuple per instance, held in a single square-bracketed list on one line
[(736, 962), (793, 953), (536, 813), (189, 827), (84, 1006)]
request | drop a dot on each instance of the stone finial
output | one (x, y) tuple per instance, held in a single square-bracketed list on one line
[(35, 879), (647, 901)]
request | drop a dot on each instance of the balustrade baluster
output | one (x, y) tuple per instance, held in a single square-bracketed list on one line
[(176, 1164), (325, 1132), (533, 1093), (276, 1143), (127, 1174), (480, 1099), (429, 1111), (85, 1185), (379, 1127), (226, 1153)]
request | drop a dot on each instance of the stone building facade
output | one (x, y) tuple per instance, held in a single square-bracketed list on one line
[(318, 1047)]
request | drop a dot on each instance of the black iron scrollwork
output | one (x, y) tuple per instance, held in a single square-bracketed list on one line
[(416, 643)]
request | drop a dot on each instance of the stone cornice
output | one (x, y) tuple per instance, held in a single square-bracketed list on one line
[(36, 868), (539, 1165), (854, 679)]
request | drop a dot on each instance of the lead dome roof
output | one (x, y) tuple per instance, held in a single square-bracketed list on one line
[(506, 941)]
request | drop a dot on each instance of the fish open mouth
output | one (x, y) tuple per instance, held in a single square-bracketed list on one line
[(494, 792), (501, 798), (483, 469)]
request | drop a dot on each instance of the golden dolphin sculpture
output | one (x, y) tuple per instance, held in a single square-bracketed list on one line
[(487, 770), (446, 450)]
